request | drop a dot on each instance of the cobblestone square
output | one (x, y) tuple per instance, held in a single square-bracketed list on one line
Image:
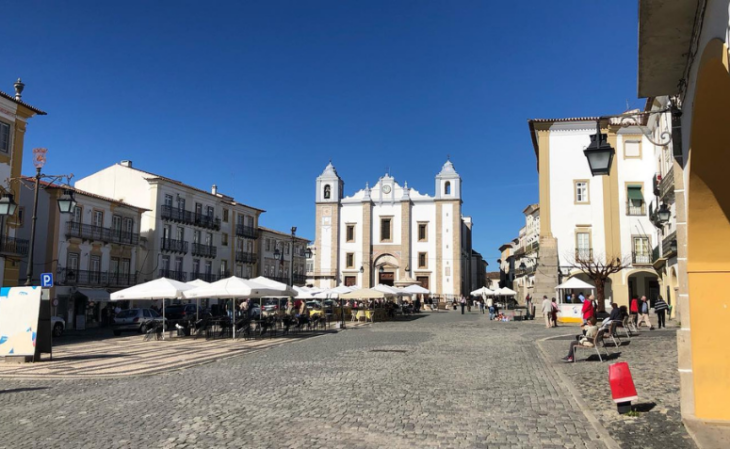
[(442, 380)]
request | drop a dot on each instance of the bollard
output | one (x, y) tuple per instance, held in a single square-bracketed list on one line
[(623, 390)]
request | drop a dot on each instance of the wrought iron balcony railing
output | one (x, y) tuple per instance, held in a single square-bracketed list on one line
[(245, 257), (247, 231), (90, 278), (641, 258), (633, 210), (666, 184), (207, 277), (101, 234), (173, 274), (222, 275), (174, 246), (203, 250), (300, 279), (12, 246), (178, 215), (669, 245), (282, 279)]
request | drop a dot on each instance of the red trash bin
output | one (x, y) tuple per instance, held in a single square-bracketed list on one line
[(623, 390)]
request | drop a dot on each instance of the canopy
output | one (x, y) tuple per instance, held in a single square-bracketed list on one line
[(405, 281), (302, 293), (484, 291), (504, 291), (574, 284), (161, 288), (391, 291), (334, 292), (363, 293), (284, 289), (416, 289), (233, 287), (198, 283)]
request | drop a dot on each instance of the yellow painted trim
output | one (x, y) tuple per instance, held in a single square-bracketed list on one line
[(570, 320), (611, 217), (543, 143)]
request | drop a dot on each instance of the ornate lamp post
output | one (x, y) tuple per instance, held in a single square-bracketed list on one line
[(599, 153)]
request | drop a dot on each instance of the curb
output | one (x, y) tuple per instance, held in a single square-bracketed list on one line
[(605, 437)]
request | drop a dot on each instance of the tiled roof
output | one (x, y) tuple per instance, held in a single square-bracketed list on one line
[(22, 103), (261, 228), (180, 183), (50, 185), (493, 275)]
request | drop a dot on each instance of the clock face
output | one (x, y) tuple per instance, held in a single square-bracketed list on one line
[(386, 189)]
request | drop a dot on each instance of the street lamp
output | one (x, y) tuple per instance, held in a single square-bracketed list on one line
[(663, 214), (599, 153), (7, 205), (67, 202), (278, 255)]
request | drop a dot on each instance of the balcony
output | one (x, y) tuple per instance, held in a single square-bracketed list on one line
[(584, 254), (669, 245), (88, 278), (207, 277), (300, 279), (11, 246), (203, 250), (666, 184), (247, 231), (174, 246), (282, 279), (244, 257), (173, 274), (100, 234), (177, 215), (633, 210), (641, 258), (655, 254), (222, 275)]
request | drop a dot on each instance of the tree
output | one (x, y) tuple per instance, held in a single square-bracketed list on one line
[(598, 269)]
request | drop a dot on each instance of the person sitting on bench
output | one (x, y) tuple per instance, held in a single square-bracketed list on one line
[(590, 329)]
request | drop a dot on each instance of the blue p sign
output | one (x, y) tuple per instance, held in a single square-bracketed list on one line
[(46, 280)]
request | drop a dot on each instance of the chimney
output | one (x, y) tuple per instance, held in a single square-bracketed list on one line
[(126, 164), (214, 190), (19, 86)]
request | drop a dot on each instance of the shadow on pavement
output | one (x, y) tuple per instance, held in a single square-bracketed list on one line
[(20, 390)]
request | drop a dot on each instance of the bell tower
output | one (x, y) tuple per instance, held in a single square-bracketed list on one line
[(449, 255), (327, 228)]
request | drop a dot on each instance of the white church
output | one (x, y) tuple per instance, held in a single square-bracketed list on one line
[(392, 234)]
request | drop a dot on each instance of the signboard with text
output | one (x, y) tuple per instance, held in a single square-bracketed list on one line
[(19, 316)]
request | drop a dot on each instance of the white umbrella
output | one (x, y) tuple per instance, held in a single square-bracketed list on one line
[(504, 291), (284, 289), (233, 287), (302, 293), (197, 283), (387, 289), (417, 289), (484, 291), (161, 288), (364, 293)]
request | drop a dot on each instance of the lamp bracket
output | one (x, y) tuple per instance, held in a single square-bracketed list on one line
[(637, 119)]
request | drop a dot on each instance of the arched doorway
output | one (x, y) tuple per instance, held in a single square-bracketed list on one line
[(643, 283), (708, 234), (385, 269)]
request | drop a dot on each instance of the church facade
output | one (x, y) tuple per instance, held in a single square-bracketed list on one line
[(392, 234)]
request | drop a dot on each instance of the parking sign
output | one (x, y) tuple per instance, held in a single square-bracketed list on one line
[(46, 280)]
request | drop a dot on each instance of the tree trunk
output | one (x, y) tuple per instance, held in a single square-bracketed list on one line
[(600, 287)]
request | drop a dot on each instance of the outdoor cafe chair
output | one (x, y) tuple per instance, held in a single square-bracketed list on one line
[(597, 340)]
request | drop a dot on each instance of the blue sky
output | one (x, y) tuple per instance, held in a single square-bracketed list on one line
[(256, 97)]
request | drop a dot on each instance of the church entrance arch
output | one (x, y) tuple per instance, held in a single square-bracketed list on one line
[(385, 269)]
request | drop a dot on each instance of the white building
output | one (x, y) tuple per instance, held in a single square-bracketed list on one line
[(288, 248), (187, 233), (91, 252), (389, 233), (599, 218), (527, 253)]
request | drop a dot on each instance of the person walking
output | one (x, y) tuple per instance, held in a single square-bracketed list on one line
[(660, 308), (588, 310), (554, 308), (468, 305), (490, 305), (644, 314), (634, 311), (528, 307), (463, 304), (481, 306), (547, 311)]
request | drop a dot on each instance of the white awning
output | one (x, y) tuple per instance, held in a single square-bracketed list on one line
[(94, 294)]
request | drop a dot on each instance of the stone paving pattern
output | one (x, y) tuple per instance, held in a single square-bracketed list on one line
[(652, 359), (443, 380)]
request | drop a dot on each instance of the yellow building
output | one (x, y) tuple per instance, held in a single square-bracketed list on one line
[(14, 115), (683, 55)]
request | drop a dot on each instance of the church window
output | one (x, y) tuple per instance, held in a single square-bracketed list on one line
[(327, 191), (385, 229), (447, 188), (350, 260), (422, 232), (350, 234), (422, 260)]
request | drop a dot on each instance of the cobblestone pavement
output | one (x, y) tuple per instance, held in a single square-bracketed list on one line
[(652, 359), (444, 380)]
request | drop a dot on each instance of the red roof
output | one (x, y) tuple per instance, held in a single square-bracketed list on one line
[(22, 103)]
